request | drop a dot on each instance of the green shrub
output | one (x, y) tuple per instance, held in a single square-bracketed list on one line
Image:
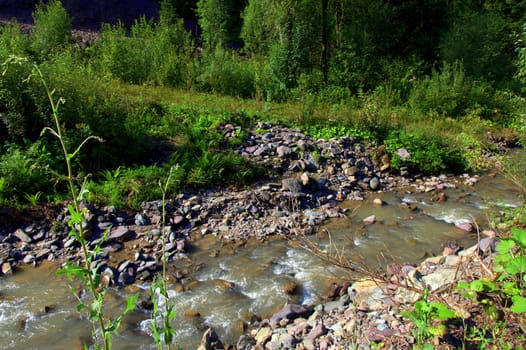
[(158, 53), (123, 187), (430, 152), (52, 30), (268, 86), (449, 93), (224, 72), (478, 41), (12, 41), (25, 171)]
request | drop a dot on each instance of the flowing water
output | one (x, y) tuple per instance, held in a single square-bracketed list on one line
[(37, 309)]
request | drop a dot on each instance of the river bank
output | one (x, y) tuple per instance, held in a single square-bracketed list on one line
[(309, 181)]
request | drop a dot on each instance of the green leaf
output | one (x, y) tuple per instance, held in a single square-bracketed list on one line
[(519, 304), (131, 302), (438, 330), (519, 236), (510, 288), (517, 265), (441, 311), (505, 246)]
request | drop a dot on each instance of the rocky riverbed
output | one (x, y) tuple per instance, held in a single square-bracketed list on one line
[(308, 180)]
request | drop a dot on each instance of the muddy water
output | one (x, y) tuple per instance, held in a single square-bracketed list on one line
[(37, 309)]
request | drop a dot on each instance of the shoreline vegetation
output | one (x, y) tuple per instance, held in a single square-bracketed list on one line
[(349, 102)]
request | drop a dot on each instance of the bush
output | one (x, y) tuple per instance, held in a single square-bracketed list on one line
[(12, 41), (449, 93), (25, 171), (224, 72), (429, 152), (52, 30), (478, 41), (154, 53)]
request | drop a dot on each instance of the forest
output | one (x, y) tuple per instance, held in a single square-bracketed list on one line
[(444, 79)]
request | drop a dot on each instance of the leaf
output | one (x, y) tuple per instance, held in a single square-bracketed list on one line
[(441, 311), (517, 265), (510, 288), (131, 302), (519, 304), (519, 236), (438, 330), (505, 246)]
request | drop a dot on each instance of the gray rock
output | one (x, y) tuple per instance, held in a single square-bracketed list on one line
[(28, 259), (374, 184), (291, 311), (403, 154), (21, 235), (317, 331), (370, 219), (283, 151), (210, 341), (141, 220), (291, 185), (245, 343), (487, 244), (120, 234)]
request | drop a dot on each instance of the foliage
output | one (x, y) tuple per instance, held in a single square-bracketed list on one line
[(448, 93), (213, 17), (510, 277), (423, 315), (52, 30), (476, 41), (153, 53), (520, 45), (428, 151), (24, 171), (88, 273), (224, 72)]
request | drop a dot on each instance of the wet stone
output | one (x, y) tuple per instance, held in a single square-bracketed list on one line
[(6, 268)]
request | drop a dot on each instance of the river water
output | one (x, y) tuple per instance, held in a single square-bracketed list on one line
[(37, 308)]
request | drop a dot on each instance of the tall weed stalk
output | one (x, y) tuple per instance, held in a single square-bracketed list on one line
[(87, 273), (159, 290)]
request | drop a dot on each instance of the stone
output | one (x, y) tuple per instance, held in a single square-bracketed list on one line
[(317, 331), (21, 235), (121, 234), (291, 185), (210, 341), (28, 259), (245, 342), (291, 311), (141, 220), (378, 201), (369, 220), (7, 269), (403, 154), (487, 244), (191, 314), (374, 184), (464, 227), (440, 277), (290, 288), (305, 179), (263, 335), (283, 151)]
